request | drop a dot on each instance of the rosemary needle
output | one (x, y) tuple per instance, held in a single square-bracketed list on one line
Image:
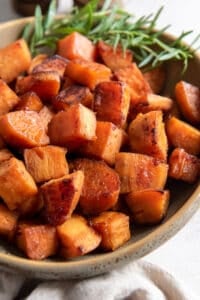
[(115, 27)]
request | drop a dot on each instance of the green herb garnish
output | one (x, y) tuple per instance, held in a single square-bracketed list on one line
[(112, 25)]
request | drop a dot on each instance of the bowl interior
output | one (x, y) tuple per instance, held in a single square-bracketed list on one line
[(184, 202)]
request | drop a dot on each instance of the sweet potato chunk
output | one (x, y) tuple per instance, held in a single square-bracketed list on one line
[(8, 98), (23, 129), (138, 172), (76, 45), (45, 163), (16, 184), (113, 228), (101, 186), (72, 95), (114, 58), (72, 127), (29, 101), (37, 241), (45, 84), (14, 59), (87, 73), (148, 206), (37, 60), (111, 102), (156, 79), (182, 135), (54, 63), (5, 154), (61, 197), (188, 98), (77, 237), (156, 102), (184, 166), (8, 222), (108, 142), (46, 114), (147, 135)]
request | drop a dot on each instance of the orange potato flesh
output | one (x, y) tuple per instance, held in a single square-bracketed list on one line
[(183, 135), (87, 73), (29, 101), (5, 154), (77, 237), (37, 60), (23, 129), (46, 114), (8, 98), (138, 172), (113, 228), (148, 206), (76, 45), (156, 79), (8, 222)]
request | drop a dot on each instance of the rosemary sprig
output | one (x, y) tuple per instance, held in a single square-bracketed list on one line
[(115, 27)]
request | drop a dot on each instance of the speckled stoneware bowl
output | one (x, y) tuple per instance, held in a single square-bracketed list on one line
[(185, 200)]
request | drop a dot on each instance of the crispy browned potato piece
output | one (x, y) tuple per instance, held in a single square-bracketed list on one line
[(147, 135), (16, 184), (87, 73), (188, 98), (114, 58), (45, 84), (156, 102), (148, 206), (54, 63), (14, 59), (29, 101), (45, 163), (183, 135), (5, 154), (72, 127), (46, 114), (23, 129), (8, 222), (61, 197), (77, 237), (72, 95), (108, 142), (184, 166), (111, 102), (8, 98), (101, 186), (156, 79), (37, 241), (113, 228), (138, 172), (38, 59)]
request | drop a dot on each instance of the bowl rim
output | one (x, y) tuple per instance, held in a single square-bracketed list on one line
[(121, 256)]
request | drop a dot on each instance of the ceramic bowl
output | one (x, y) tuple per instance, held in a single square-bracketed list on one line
[(185, 202)]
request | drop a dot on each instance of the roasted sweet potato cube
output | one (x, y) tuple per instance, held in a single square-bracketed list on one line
[(5, 154), (23, 129), (108, 142), (101, 186), (188, 98), (148, 207), (37, 60), (147, 135), (111, 102), (183, 135), (8, 222), (37, 241), (54, 63), (114, 58), (61, 197), (45, 84), (16, 184), (77, 237), (46, 114), (45, 163), (156, 79), (113, 228), (87, 73), (8, 98), (29, 101), (72, 127), (138, 172), (156, 102), (76, 45), (72, 95), (14, 59), (67, 82), (184, 166)]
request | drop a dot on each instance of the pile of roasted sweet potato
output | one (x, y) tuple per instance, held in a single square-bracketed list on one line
[(87, 145)]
